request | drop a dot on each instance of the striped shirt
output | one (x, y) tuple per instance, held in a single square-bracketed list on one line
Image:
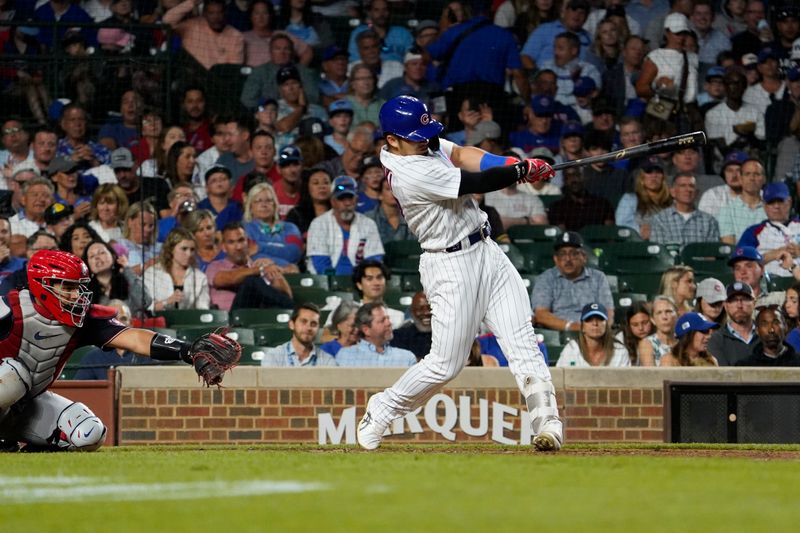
[(566, 297), (364, 354), (737, 216), (669, 226), (768, 236)]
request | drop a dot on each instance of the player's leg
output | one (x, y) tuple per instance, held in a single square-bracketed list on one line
[(451, 285), (52, 422), (15, 380), (508, 317)]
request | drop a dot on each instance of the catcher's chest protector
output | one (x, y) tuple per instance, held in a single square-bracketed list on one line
[(40, 344)]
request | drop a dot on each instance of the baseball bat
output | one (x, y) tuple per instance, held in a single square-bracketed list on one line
[(671, 144)]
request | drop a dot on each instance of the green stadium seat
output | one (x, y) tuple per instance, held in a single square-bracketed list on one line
[(515, 256), (567, 336), (623, 301), (242, 335), (224, 80), (529, 280), (538, 233), (597, 234), (397, 299), (340, 283), (260, 317), (252, 355), (74, 363), (410, 283), (553, 353), (548, 336), (308, 280), (317, 296), (777, 283), (271, 335), (635, 257), (538, 256), (707, 258), (642, 283), (195, 317), (402, 257), (549, 199), (190, 333)]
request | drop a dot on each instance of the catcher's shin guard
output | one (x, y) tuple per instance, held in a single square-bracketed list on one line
[(80, 429)]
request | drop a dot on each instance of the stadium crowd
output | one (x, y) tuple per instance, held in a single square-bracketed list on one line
[(237, 201)]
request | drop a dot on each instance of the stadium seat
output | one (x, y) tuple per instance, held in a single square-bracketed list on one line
[(553, 353), (515, 256), (410, 283), (777, 283), (567, 336), (271, 335), (538, 256), (538, 233), (529, 280), (599, 235), (242, 335), (340, 283), (260, 317), (707, 258), (642, 283), (635, 257), (623, 301), (402, 257), (320, 297), (224, 80), (548, 336), (398, 299), (190, 333), (195, 317), (252, 355), (308, 280)]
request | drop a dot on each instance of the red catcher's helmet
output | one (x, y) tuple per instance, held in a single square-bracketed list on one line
[(58, 281)]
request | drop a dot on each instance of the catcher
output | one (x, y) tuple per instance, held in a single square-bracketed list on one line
[(41, 326)]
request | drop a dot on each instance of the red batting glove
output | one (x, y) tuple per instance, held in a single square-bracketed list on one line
[(538, 170)]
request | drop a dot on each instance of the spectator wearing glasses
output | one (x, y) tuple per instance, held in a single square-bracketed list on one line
[(276, 240), (737, 339), (596, 344)]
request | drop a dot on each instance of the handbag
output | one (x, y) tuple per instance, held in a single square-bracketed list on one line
[(663, 107)]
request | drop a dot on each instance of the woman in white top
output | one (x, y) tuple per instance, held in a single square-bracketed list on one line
[(157, 165), (678, 284), (109, 205), (174, 282), (595, 345), (653, 347)]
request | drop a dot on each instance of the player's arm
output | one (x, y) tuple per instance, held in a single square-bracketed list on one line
[(483, 172), (155, 345)]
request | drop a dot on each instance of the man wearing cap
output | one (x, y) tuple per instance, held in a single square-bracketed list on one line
[(340, 118), (413, 81), (207, 37), (688, 161), (778, 237), (561, 292), (218, 197), (787, 24), (604, 123), (622, 74), (770, 87), (716, 197), (579, 208), (287, 189), (396, 39), (542, 130), (540, 45), (566, 62), (778, 118), (714, 89), (370, 178), (293, 105), (334, 84), (266, 115), (360, 144), (747, 265), (773, 349), (737, 339), (341, 238), (682, 223), (748, 208), (710, 41), (58, 218), (8, 263), (584, 90), (136, 187), (487, 136), (64, 174)]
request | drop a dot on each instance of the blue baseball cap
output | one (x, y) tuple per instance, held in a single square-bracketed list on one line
[(264, 102), (745, 253), (543, 106), (340, 106), (572, 128), (793, 74), (333, 51), (289, 154), (693, 322), (739, 287), (344, 186), (775, 191), (715, 72), (583, 86), (590, 310), (737, 157), (653, 163), (767, 53)]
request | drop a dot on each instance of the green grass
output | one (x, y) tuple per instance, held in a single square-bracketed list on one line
[(413, 488)]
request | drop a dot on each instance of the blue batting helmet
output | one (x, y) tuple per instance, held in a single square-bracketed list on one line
[(408, 118)]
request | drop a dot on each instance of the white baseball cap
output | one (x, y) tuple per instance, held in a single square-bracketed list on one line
[(676, 23), (711, 290)]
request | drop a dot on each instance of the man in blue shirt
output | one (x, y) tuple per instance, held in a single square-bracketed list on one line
[(539, 46), (300, 350), (63, 11), (542, 129), (8, 263), (396, 39), (373, 349)]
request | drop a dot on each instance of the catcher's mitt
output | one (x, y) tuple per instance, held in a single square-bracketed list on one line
[(213, 354)]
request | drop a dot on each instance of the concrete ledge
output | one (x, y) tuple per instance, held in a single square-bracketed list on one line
[(154, 377)]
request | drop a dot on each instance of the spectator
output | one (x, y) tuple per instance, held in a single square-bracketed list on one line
[(584, 89), (77, 237), (415, 335), (63, 12), (542, 130), (315, 199), (754, 36), (746, 210), (578, 208), (340, 118), (369, 56), (64, 174), (654, 31), (300, 350), (688, 160), (261, 83), (487, 136), (222, 138), (714, 92), (293, 105), (780, 118), (562, 291), (174, 282), (565, 62), (143, 146), (278, 241), (681, 223), (16, 146), (603, 123), (156, 166), (342, 325), (363, 95), (373, 348), (334, 85), (386, 214), (201, 225), (140, 237), (738, 339), (341, 238), (695, 342), (771, 87), (287, 189), (426, 32), (710, 41), (517, 208), (58, 217), (734, 123), (571, 148), (413, 81), (181, 165), (710, 299), (24, 79), (75, 145), (196, 124), (651, 196), (21, 173), (111, 279), (369, 280), (208, 38), (541, 43), (237, 281), (37, 195), (396, 39), (773, 350), (240, 159), (748, 267), (181, 202), (595, 345), (124, 130), (623, 74), (602, 179), (266, 115), (638, 324), (730, 19), (262, 147), (677, 283), (257, 40), (369, 179), (791, 313), (8, 263), (44, 147), (653, 348), (787, 24), (218, 197), (777, 237), (716, 197), (471, 112), (134, 187), (606, 49)]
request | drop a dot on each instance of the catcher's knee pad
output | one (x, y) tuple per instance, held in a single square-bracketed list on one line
[(80, 428), (15, 381)]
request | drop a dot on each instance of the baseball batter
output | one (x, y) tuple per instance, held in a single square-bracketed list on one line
[(467, 278), (39, 329)]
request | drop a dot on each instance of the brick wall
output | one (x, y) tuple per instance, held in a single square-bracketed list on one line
[(166, 405)]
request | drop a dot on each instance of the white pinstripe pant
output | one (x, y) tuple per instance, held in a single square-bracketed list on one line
[(464, 288)]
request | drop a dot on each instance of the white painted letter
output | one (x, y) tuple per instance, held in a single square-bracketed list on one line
[(525, 430), (499, 425), (346, 427), (450, 416), (465, 416), (398, 424)]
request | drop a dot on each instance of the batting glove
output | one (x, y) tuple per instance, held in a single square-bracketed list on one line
[(538, 170)]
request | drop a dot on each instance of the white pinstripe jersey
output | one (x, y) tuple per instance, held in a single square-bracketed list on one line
[(426, 187)]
